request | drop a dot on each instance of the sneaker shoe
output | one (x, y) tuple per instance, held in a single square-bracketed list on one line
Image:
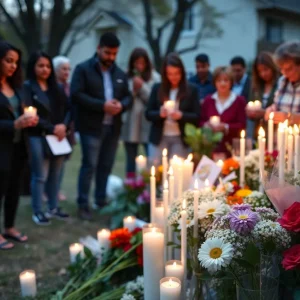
[(40, 219), (56, 213), (84, 214)]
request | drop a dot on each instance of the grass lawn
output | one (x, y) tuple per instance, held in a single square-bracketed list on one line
[(47, 251)]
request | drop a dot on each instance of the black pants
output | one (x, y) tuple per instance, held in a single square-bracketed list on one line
[(131, 150), (10, 184)]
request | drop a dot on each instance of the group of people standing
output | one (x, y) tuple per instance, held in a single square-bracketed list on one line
[(104, 104)]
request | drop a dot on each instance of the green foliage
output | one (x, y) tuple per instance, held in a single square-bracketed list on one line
[(201, 140)]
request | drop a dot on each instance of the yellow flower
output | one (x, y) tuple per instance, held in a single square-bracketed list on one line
[(243, 193)]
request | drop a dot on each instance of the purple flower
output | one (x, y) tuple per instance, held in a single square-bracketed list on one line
[(241, 206), (243, 221), (144, 197), (129, 182)]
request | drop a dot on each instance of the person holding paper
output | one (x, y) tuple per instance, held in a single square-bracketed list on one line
[(51, 103), (13, 150), (99, 91), (172, 104)]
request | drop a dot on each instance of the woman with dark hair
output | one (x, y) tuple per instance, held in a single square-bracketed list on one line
[(135, 130), (229, 107), (172, 104), (264, 83), (13, 152), (51, 103)]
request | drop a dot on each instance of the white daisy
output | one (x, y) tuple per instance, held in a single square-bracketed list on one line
[(211, 208), (215, 254)]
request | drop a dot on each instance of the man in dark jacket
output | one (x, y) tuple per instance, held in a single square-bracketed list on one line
[(99, 91)]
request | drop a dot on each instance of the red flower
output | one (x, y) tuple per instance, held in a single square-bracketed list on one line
[(139, 252), (291, 258), (291, 218), (120, 238)]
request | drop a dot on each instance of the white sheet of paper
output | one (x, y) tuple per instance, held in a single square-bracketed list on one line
[(206, 169), (58, 147), (229, 177)]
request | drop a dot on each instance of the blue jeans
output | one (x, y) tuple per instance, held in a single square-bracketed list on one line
[(45, 173), (131, 150), (98, 155)]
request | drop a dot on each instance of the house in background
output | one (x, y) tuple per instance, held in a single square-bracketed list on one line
[(249, 26)]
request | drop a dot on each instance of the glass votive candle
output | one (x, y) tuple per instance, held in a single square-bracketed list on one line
[(28, 283), (103, 236), (170, 288), (129, 223)]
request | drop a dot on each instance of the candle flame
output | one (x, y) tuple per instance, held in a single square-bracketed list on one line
[(296, 129), (206, 182), (256, 102), (190, 157), (261, 132), (170, 281), (140, 157), (243, 134), (171, 171), (165, 152), (153, 230), (250, 103), (184, 204), (153, 171), (196, 187), (174, 264), (220, 163), (166, 185), (129, 219), (271, 116)]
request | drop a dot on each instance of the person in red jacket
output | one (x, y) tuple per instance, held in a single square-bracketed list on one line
[(228, 106)]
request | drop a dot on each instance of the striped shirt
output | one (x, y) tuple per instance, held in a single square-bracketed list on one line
[(287, 96)]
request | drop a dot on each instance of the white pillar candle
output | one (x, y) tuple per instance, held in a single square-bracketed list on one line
[(166, 211), (171, 186), (159, 214), (242, 158), (141, 163), (28, 283), (271, 133), (184, 242), (75, 249), (188, 169), (257, 105), (170, 288), (129, 223), (153, 255), (174, 268), (214, 120), (286, 134), (290, 150), (152, 193), (30, 111), (103, 236), (165, 164), (281, 159), (180, 179), (196, 207), (261, 147), (278, 135), (169, 106), (297, 151)]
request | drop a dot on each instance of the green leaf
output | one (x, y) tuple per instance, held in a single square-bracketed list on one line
[(217, 137), (252, 254), (243, 263), (190, 130)]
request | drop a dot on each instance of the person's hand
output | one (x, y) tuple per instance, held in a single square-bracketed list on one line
[(25, 121), (176, 115), (219, 128), (112, 107), (60, 131), (255, 114), (163, 112), (271, 108), (137, 83)]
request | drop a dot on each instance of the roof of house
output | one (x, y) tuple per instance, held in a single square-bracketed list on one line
[(292, 6)]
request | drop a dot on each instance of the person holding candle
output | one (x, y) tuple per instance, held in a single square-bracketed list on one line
[(264, 83), (135, 130), (287, 96), (13, 150), (51, 103), (228, 106), (167, 129)]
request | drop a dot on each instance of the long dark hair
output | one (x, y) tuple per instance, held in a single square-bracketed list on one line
[(136, 54), (16, 80), (31, 75), (266, 59), (173, 60)]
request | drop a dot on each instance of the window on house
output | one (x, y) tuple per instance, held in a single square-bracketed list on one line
[(274, 30), (189, 20)]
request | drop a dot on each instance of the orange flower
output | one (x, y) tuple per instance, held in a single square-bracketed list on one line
[(230, 165), (232, 200), (120, 237)]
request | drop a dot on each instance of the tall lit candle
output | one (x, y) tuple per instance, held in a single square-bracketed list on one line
[(165, 164), (271, 132), (180, 179), (75, 249), (281, 159), (129, 222), (166, 211), (286, 134), (242, 158), (188, 169), (103, 236), (290, 147), (196, 207), (141, 163), (261, 147), (159, 214), (170, 288), (152, 193), (28, 283), (171, 185), (153, 255), (184, 241), (297, 151)]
